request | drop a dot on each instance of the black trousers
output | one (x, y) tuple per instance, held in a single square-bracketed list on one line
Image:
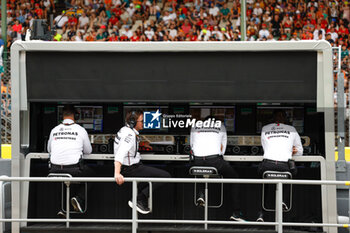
[(77, 190), (226, 170), (140, 170), (269, 165)]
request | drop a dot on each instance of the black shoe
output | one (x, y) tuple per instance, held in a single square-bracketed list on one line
[(141, 206), (61, 214), (237, 216), (76, 204), (260, 217), (200, 200)]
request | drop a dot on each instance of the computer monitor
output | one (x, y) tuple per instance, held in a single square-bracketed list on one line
[(224, 113), (89, 117), (295, 117)]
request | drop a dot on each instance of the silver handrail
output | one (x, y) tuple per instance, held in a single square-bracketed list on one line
[(2, 202), (279, 223)]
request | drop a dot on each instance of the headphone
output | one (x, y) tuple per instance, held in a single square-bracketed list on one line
[(132, 121)]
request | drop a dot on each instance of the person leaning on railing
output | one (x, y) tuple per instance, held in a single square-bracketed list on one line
[(280, 142), (127, 160)]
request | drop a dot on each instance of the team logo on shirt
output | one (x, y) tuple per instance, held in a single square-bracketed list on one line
[(151, 120)]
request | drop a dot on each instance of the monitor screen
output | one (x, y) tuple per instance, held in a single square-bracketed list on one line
[(295, 117), (224, 113), (89, 117)]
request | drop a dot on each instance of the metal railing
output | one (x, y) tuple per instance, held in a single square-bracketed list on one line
[(134, 220), (3, 206)]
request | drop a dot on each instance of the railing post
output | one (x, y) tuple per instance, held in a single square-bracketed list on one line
[(349, 207), (134, 211), (279, 211), (67, 202), (206, 206), (150, 199), (2, 207)]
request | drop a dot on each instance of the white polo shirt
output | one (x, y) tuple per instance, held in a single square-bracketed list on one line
[(67, 143), (278, 141), (126, 145), (207, 141)]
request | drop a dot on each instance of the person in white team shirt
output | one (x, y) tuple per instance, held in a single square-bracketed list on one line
[(127, 160), (208, 146), (280, 142), (67, 144)]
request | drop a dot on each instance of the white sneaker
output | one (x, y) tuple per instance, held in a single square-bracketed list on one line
[(76, 205)]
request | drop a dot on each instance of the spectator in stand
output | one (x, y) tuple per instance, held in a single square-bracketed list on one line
[(329, 39), (225, 12), (127, 32), (91, 36), (113, 37), (154, 9), (149, 33), (346, 11), (344, 52), (204, 34), (72, 22), (333, 33), (287, 24), (270, 38), (134, 37), (38, 11), (102, 34), (131, 9), (186, 26), (258, 11), (172, 31), (276, 26), (295, 37), (17, 30), (255, 19), (84, 22), (166, 17), (214, 10), (217, 34), (102, 19), (20, 17), (61, 21), (319, 33), (263, 32), (79, 36)]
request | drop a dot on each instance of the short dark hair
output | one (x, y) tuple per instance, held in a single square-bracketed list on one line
[(279, 115), (68, 110)]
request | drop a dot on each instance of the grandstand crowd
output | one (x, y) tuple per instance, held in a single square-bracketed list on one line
[(186, 20)]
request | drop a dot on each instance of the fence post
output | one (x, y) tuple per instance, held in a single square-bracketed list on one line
[(67, 202), (206, 206), (2, 207), (134, 202), (349, 208), (279, 211)]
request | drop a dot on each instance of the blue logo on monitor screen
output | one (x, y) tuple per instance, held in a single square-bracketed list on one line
[(151, 120)]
